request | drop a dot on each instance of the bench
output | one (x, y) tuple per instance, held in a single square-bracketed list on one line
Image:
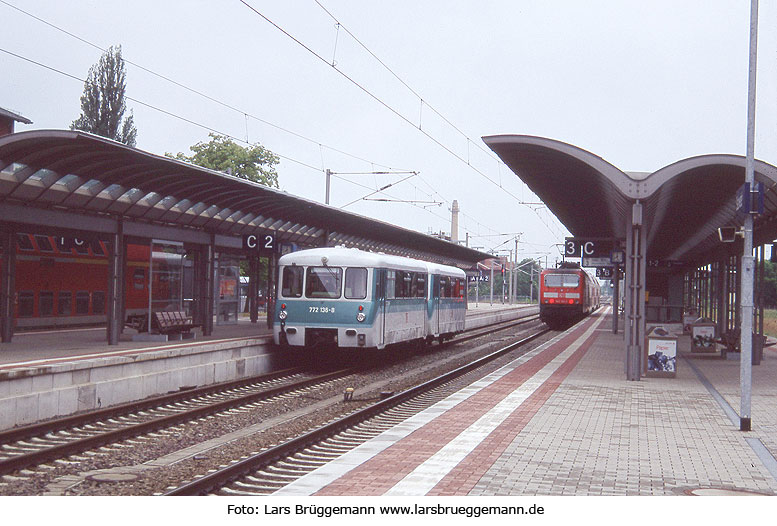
[(169, 322)]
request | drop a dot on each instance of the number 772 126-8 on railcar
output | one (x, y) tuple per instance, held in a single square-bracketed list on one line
[(348, 298)]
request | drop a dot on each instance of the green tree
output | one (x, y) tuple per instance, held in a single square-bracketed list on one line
[(255, 163), (103, 102)]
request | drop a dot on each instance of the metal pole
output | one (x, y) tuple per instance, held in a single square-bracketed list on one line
[(8, 288), (746, 334), (114, 285), (510, 286), (491, 300), (515, 274), (328, 177), (477, 288), (616, 296)]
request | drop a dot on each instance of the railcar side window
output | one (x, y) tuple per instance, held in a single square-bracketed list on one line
[(323, 282), (82, 302), (458, 288), (45, 303), (419, 285), (83, 248), (420, 280), (26, 304), (44, 245), (443, 287), (97, 249), (23, 240), (98, 302), (355, 283), (291, 287), (562, 280), (65, 303), (391, 277), (403, 284)]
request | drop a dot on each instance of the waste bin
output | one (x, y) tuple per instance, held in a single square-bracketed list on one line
[(661, 353), (703, 336)]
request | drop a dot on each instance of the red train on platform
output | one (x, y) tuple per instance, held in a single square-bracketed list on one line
[(567, 294), (63, 282)]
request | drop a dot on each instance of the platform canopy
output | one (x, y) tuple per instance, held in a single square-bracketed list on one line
[(683, 204), (75, 180)]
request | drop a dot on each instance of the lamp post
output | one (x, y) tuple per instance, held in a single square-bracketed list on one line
[(746, 331)]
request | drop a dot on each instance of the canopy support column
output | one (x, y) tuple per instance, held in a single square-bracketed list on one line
[(8, 285), (208, 285), (115, 280), (635, 293)]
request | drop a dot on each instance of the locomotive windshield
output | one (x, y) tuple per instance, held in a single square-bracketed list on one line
[(562, 280), (291, 287), (323, 282)]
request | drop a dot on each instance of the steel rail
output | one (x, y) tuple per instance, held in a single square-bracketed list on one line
[(42, 428), (220, 478), (116, 435)]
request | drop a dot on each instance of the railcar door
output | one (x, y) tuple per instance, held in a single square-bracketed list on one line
[(380, 304), (435, 321)]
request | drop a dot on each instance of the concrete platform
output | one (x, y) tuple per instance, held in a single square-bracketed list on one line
[(563, 420), (54, 373)]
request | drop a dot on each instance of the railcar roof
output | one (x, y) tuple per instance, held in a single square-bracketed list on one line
[(352, 257)]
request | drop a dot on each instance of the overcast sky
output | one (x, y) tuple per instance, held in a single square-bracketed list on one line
[(641, 84)]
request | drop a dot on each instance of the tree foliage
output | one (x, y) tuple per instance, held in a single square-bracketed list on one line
[(103, 102), (255, 163)]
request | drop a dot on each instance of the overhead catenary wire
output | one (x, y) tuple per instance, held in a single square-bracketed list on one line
[(199, 93), (389, 107), (396, 76), (246, 115), (209, 128)]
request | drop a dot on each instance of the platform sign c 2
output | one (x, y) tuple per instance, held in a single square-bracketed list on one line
[(261, 243)]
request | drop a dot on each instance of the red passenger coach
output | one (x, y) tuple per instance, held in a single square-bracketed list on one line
[(63, 282), (566, 295)]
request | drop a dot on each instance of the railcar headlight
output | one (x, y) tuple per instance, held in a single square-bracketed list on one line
[(361, 317), (282, 315)]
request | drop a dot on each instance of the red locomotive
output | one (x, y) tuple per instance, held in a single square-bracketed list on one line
[(567, 294)]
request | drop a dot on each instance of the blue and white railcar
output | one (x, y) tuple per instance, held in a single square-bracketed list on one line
[(350, 298), (446, 309)]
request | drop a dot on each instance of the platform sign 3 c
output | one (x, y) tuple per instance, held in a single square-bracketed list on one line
[(576, 247)]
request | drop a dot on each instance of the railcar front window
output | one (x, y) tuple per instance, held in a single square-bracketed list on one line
[(562, 280), (291, 286), (323, 282), (355, 283)]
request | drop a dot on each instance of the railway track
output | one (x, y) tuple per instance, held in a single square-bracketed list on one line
[(66, 443), (265, 472), (32, 445)]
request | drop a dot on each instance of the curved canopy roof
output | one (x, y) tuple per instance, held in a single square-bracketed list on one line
[(683, 203), (92, 182)]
